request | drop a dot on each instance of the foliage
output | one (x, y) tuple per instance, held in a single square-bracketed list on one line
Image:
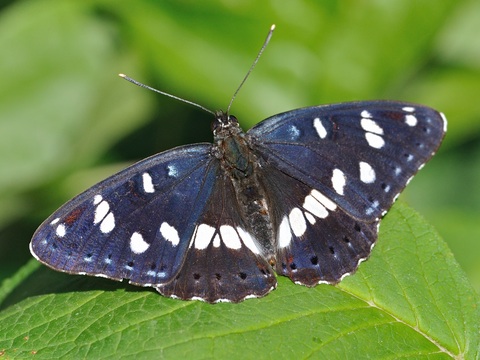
[(67, 121)]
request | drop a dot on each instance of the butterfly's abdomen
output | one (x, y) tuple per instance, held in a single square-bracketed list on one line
[(239, 163)]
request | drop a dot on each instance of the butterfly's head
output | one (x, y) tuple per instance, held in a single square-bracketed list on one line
[(224, 124)]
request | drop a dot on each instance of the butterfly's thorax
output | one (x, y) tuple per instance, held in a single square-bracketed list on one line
[(240, 164)]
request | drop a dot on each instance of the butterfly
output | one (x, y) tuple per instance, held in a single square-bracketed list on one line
[(300, 194)]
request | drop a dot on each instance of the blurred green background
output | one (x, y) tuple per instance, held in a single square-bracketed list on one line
[(67, 120)]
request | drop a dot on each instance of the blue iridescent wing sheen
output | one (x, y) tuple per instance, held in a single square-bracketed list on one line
[(345, 165), (134, 225), (169, 222), (311, 143)]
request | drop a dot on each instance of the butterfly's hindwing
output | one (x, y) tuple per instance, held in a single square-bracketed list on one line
[(135, 225), (224, 262), (360, 155), (316, 240)]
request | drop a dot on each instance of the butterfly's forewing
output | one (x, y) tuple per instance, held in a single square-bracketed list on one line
[(360, 155), (343, 166), (170, 221), (134, 225)]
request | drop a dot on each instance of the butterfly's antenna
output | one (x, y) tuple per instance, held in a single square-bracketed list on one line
[(265, 43), (164, 93)]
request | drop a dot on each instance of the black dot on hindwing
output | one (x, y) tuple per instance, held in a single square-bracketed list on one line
[(357, 227), (242, 275)]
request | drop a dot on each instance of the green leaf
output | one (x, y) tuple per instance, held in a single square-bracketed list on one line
[(409, 300)]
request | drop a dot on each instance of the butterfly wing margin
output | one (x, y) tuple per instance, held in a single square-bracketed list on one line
[(134, 225), (360, 155)]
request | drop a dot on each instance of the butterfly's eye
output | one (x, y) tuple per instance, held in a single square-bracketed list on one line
[(216, 124), (232, 119)]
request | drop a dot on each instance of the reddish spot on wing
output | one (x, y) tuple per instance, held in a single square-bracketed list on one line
[(73, 216)]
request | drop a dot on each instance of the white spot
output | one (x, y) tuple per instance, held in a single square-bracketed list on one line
[(398, 171), (314, 206), (411, 120), (248, 241), (310, 218), (294, 132), (203, 236), (444, 122), (54, 221), (169, 233), (172, 171), (409, 157), (374, 207), (108, 223), (216, 241), (61, 230), (408, 181), (371, 126), (147, 183), (338, 181), (366, 114), (321, 131), (97, 199), (108, 260), (284, 233), (297, 222), (367, 174), (408, 109), (137, 244), (151, 273), (101, 211), (421, 166), (86, 259), (374, 140), (329, 204), (387, 188), (230, 237)]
